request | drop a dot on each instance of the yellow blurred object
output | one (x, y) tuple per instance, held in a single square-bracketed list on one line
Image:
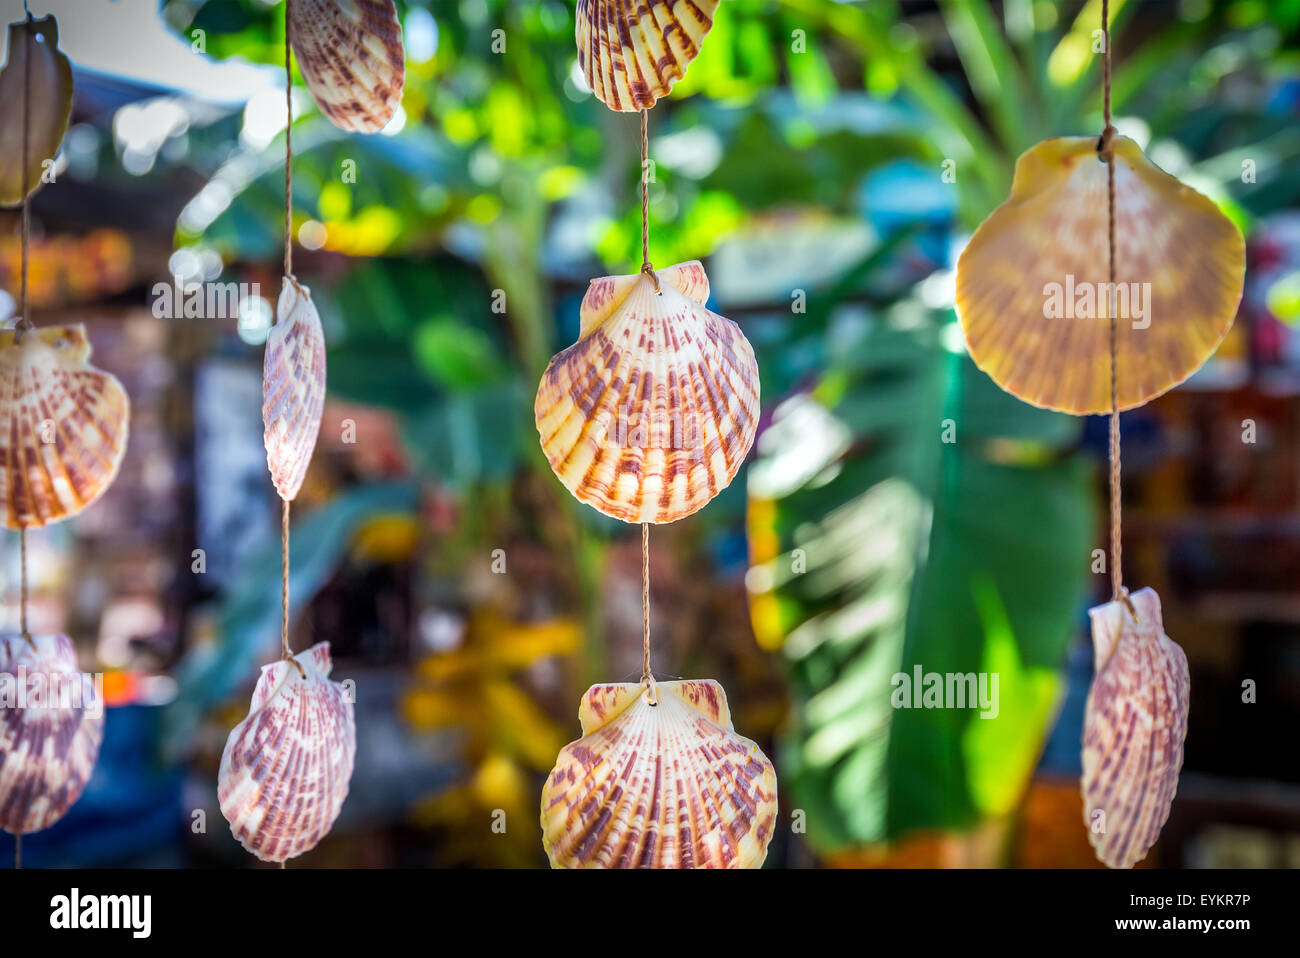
[(387, 539), (508, 737)]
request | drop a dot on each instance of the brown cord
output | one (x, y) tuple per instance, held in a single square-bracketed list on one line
[(647, 676), (288, 152), (1106, 150), (24, 321), (646, 268), (285, 653)]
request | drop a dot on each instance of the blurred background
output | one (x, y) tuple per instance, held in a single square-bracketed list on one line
[(827, 161)]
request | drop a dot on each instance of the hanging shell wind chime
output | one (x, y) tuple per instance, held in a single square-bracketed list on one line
[(286, 769), (1094, 288), (646, 418), (63, 433)]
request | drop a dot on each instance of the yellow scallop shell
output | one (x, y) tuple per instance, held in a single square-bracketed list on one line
[(50, 92), (651, 413), (1025, 280), (350, 53), (63, 425), (664, 785), (1135, 722), (633, 51)]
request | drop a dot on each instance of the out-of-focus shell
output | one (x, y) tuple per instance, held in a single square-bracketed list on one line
[(48, 747), (286, 767), (1134, 726), (350, 53), (293, 388), (63, 425), (633, 51), (650, 414), (669, 785), (1053, 230), (50, 105)]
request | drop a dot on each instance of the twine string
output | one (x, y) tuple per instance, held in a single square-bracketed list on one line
[(286, 654), (647, 676), (1106, 150), (646, 266), (24, 319), (288, 152)]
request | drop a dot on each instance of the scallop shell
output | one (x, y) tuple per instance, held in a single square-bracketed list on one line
[(669, 785), (650, 414), (1045, 249), (50, 736), (633, 51), (1134, 726), (286, 767), (293, 388), (51, 105), (63, 425), (350, 53)]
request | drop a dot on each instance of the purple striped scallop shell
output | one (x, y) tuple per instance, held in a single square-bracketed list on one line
[(633, 51), (63, 425), (293, 388), (1134, 726), (350, 53), (51, 727), (659, 779), (286, 767), (651, 413)]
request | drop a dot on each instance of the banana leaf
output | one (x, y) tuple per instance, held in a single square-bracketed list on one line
[(905, 513)]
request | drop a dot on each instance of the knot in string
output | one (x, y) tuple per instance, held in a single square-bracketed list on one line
[(649, 270), (1106, 143)]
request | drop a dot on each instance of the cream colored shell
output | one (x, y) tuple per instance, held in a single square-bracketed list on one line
[(293, 388), (633, 51), (50, 736), (1135, 722), (668, 785), (63, 425), (651, 413), (350, 53), (1025, 280), (286, 768)]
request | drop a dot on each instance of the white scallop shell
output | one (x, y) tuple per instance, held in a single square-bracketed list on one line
[(286, 767), (47, 748), (293, 388), (663, 785), (1134, 726)]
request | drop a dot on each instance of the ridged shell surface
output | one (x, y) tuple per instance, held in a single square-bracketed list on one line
[(1134, 726), (63, 425), (1032, 283), (51, 105), (286, 768), (633, 51), (669, 785), (293, 388), (47, 748), (651, 413), (350, 53)]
